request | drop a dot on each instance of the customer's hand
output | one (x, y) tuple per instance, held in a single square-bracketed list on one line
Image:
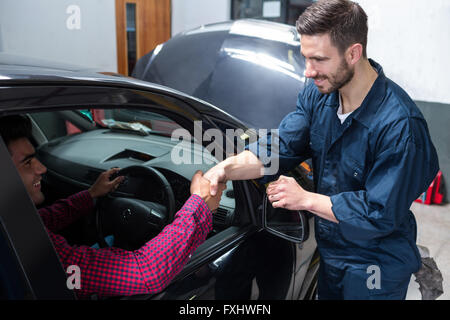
[(103, 185), (201, 187)]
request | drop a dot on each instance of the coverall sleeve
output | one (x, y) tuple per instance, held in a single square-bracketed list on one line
[(283, 149), (404, 165)]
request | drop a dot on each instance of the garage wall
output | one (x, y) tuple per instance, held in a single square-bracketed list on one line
[(46, 29), (410, 39), (193, 13), (78, 32)]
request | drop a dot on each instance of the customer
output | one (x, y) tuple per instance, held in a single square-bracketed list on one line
[(112, 271)]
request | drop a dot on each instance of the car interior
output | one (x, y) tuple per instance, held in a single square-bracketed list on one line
[(77, 145)]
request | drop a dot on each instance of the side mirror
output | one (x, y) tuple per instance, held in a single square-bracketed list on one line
[(287, 224)]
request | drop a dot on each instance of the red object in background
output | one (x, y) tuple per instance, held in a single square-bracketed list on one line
[(71, 129), (98, 115), (438, 195), (433, 193)]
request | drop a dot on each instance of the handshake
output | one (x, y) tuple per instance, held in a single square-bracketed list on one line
[(201, 186)]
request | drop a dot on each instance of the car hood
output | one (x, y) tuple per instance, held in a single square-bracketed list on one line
[(251, 69)]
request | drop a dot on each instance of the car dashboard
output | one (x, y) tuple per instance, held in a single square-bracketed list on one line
[(77, 160)]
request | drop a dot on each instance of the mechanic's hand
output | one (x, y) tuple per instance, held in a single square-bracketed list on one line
[(216, 176), (201, 187), (288, 194), (103, 185)]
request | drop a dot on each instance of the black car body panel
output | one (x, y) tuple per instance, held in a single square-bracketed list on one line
[(251, 69)]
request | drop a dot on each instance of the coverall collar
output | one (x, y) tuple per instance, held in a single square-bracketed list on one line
[(370, 103)]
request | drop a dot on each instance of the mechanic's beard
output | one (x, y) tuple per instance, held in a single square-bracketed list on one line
[(343, 76)]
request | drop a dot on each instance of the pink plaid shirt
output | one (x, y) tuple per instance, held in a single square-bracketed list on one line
[(117, 272)]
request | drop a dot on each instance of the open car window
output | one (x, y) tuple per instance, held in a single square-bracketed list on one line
[(77, 151)]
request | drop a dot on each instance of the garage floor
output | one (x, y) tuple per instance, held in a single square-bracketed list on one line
[(433, 232)]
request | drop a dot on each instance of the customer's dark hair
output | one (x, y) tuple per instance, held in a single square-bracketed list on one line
[(14, 127), (345, 21)]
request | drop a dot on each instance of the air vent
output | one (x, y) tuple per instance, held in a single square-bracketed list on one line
[(220, 216), (131, 154)]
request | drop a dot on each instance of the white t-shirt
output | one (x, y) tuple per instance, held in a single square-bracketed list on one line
[(342, 116)]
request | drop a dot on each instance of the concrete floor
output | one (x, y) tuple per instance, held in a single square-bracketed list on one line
[(433, 232)]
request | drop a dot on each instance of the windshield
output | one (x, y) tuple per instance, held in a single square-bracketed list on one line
[(138, 121), (133, 121)]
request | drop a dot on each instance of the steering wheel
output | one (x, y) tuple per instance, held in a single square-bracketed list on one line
[(131, 220)]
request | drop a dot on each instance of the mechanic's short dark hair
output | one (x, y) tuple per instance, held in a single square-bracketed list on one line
[(14, 127), (345, 21)]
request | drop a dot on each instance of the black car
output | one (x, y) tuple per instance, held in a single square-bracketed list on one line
[(252, 69), (86, 122)]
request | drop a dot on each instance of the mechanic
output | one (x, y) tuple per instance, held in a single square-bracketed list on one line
[(372, 157), (112, 271)]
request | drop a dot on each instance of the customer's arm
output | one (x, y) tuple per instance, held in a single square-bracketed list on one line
[(117, 272), (66, 211)]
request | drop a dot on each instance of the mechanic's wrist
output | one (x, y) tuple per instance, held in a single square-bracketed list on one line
[(222, 167), (308, 202)]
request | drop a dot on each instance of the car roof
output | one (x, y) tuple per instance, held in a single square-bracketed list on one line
[(14, 68), (22, 70)]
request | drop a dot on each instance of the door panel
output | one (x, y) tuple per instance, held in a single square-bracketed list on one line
[(256, 266)]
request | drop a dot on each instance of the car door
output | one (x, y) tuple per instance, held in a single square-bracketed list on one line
[(239, 260), (243, 261)]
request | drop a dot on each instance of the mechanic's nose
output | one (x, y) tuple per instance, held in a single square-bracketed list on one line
[(310, 72)]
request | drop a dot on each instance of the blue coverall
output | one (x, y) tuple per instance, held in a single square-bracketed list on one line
[(373, 166)]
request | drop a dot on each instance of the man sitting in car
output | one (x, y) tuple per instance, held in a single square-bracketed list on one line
[(112, 271)]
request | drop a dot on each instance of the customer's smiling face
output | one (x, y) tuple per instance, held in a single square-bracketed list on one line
[(29, 167)]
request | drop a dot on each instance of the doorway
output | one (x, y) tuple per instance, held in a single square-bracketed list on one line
[(140, 26)]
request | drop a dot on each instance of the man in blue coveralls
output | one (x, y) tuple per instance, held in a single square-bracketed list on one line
[(372, 157)]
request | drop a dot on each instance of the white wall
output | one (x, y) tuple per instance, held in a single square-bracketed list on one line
[(411, 40), (189, 14), (39, 29)]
